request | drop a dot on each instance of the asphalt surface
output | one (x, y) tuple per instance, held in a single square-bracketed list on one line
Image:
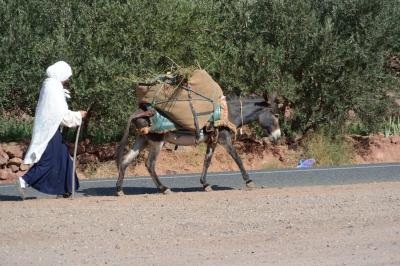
[(342, 175)]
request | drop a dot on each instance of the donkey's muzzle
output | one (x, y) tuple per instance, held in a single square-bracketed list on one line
[(275, 135)]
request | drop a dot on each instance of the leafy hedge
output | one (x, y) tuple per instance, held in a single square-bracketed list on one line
[(324, 57)]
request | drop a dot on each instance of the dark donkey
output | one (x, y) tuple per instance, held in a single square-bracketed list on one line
[(242, 111)]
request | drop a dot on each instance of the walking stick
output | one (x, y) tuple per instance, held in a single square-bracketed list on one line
[(75, 151), (74, 161)]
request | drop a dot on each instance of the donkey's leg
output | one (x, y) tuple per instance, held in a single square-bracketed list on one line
[(137, 147), (225, 140), (155, 148), (207, 161)]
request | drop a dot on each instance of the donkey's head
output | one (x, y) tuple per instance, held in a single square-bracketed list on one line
[(245, 110), (268, 118)]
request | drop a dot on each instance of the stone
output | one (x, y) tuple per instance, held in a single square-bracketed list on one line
[(87, 158), (7, 174), (92, 149), (24, 167), (3, 157), (3, 174), (79, 150), (14, 161), (14, 168), (14, 149), (395, 139), (106, 154)]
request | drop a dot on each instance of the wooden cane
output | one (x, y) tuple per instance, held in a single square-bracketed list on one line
[(74, 161), (75, 151)]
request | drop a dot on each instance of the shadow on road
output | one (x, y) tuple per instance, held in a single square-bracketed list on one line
[(13, 198), (110, 191)]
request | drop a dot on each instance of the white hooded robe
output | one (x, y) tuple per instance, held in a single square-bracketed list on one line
[(51, 111)]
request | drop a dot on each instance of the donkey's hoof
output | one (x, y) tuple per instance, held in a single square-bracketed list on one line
[(167, 191), (207, 188), (251, 185), (119, 193)]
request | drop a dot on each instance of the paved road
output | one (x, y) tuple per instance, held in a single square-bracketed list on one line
[(232, 180)]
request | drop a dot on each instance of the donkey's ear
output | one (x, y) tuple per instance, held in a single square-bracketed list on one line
[(270, 98), (265, 96)]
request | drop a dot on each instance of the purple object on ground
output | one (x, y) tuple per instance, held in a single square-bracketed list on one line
[(308, 163)]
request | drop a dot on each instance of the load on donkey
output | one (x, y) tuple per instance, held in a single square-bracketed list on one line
[(187, 110)]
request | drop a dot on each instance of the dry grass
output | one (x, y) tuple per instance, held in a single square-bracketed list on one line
[(328, 151)]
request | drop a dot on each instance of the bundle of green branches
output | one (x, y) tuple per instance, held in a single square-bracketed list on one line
[(176, 75)]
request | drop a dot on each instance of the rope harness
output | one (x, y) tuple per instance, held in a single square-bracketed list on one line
[(194, 98), (241, 115), (196, 121), (190, 100)]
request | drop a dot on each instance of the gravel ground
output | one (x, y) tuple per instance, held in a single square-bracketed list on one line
[(335, 225)]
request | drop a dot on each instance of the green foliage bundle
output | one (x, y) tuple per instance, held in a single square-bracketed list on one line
[(325, 57)]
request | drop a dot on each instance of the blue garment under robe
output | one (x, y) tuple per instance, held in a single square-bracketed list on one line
[(52, 174)]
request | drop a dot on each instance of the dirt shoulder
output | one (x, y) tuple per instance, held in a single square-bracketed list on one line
[(353, 225)]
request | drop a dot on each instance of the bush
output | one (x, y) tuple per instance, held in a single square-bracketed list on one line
[(14, 129), (391, 127), (328, 151), (324, 57)]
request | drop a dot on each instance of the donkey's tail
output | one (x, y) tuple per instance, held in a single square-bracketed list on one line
[(122, 144)]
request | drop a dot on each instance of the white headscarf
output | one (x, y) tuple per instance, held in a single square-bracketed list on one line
[(60, 71), (51, 108)]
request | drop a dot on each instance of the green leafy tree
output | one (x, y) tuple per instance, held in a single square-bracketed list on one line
[(323, 57)]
